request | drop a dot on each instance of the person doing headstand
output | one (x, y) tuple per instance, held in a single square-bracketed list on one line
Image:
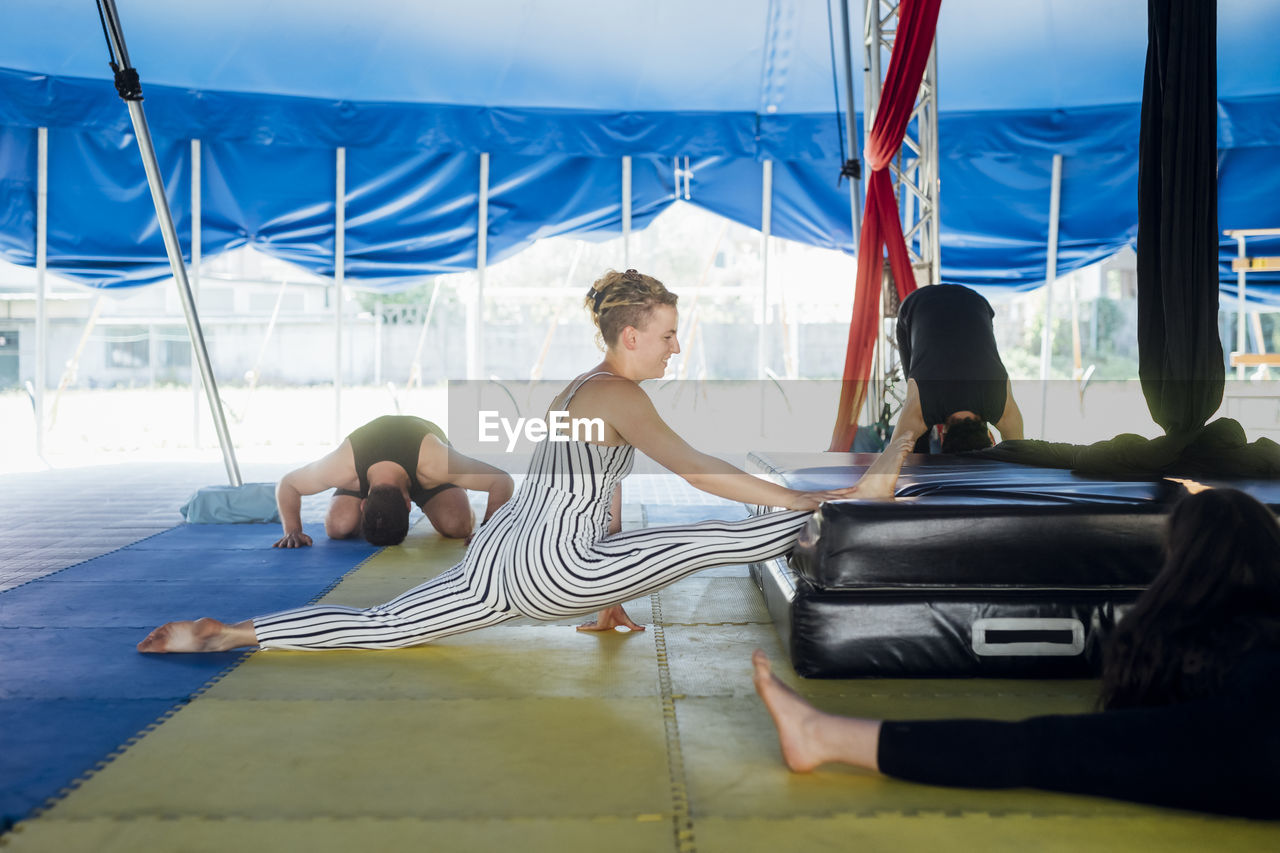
[(378, 472), (1190, 688), (556, 549), (955, 378)]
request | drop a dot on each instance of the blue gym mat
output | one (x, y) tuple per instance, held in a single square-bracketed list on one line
[(73, 690)]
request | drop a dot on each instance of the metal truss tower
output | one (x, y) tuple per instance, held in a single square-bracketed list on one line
[(915, 182)]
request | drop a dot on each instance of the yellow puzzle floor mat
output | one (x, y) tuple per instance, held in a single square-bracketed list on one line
[(533, 737)]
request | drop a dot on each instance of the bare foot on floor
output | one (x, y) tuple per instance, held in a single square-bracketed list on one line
[(796, 719), (202, 635), (609, 619), (881, 478)]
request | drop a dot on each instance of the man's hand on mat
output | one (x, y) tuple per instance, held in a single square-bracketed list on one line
[(293, 540), (610, 618)]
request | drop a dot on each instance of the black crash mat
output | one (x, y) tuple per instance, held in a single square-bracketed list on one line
[(979, 568)]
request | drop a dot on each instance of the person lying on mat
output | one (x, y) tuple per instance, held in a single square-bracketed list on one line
[(557, 548), (1190, 688), (955, 378), (377, 472)]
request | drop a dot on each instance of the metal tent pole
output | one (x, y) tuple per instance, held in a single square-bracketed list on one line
[(933, 172), (475, 359), (1050, 275), (851, 124), (42, 257), (626, 213), (130, 90), (377, 341), (872, 41), (339, 268), (766, 229), (1241, 341), (196, 218)]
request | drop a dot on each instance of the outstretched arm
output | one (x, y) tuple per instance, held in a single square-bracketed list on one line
[(440, 463), (910, 425), (1010, 424), (334, 470), (631, 413)]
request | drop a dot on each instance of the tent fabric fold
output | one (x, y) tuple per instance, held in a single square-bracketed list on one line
[(581, 86)]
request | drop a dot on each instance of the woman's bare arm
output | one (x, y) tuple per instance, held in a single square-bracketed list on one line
[(631, 413)]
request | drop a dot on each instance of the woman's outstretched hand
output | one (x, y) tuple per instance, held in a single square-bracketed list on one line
[(876, 483), (610, 618), (812, 500)]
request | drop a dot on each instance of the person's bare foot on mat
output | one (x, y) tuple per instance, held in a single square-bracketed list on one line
[(809, 737), (202, 635), (881, 477), (795, 719)]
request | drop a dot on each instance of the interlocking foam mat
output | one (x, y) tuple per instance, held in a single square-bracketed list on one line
[(72, 688), (531, 736)]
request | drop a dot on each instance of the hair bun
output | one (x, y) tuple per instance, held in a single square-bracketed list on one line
[(620, 299)]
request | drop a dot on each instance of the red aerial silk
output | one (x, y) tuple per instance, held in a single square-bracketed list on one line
[(881, 225)]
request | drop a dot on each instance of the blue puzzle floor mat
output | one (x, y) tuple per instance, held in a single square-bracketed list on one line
[(72, 688)]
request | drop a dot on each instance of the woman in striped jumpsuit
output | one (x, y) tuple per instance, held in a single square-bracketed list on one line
[(555, 550)]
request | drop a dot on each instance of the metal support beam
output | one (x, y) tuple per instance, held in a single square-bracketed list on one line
[(1050, 276), (339, 270), (42, 258), (851, 123), (197, 216), (766, 228), (626, 213), (475, 311), (131, 91), (872, 43), (377, 341), (914, 173), (933, 166), (1241, 345)]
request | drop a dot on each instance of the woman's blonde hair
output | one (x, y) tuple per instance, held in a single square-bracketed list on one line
[(621, 299)]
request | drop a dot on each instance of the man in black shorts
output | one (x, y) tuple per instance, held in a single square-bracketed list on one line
[(378, 472), (955, 378)]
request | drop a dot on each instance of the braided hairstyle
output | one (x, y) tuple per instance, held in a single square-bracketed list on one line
[(621, 299)]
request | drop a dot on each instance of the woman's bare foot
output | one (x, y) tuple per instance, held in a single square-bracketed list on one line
[(796, 720), (202, 635), (881, 478), (610, 618), (808, 736)]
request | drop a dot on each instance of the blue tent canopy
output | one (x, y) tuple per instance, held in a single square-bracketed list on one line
[(556, 91)]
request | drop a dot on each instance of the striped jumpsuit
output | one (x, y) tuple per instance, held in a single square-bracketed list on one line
[(544, 554)]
